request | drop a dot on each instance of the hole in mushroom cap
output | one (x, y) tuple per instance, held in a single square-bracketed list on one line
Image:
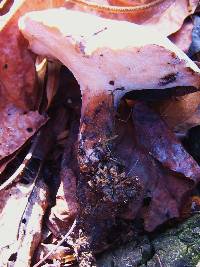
[(13, 257), (24, 220), (5, 66), (29, 129), (111, 82)]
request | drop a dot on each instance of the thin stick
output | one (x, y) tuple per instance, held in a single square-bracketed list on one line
[(15, 177), (59, 244)]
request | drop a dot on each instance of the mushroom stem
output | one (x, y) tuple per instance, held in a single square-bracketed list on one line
[(108, 58), (96, 132)]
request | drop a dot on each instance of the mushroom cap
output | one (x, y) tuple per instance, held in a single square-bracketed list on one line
[(108, 55)]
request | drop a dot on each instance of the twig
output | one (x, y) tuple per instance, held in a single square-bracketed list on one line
[(59, 244), (15, 177)]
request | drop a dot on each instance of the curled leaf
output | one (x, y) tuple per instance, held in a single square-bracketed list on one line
[(180, 113), (168, 173), (162, 144)]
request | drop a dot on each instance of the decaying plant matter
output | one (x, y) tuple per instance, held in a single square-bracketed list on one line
[(18, 77), (18, 80)]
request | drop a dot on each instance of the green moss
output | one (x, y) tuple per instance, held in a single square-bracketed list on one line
[(177, 247)]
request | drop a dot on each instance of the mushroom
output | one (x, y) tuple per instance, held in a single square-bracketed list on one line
[(108, 59)]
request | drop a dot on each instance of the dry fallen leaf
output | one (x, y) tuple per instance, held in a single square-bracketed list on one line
[(16, 128), (22, 210), (180, 113), (166, 171), (183, 37), (17, 79), (162, 144), (17, 71)]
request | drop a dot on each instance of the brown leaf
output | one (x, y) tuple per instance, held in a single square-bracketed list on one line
[(153, 134), (41, 72), (31, 225), (16, 128), (180, 113), (163, 191), (18, 80), (183, 37), (165, 169), (190, 207), (17, 69)]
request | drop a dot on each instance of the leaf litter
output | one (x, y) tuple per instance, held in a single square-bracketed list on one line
[(75, 169)]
